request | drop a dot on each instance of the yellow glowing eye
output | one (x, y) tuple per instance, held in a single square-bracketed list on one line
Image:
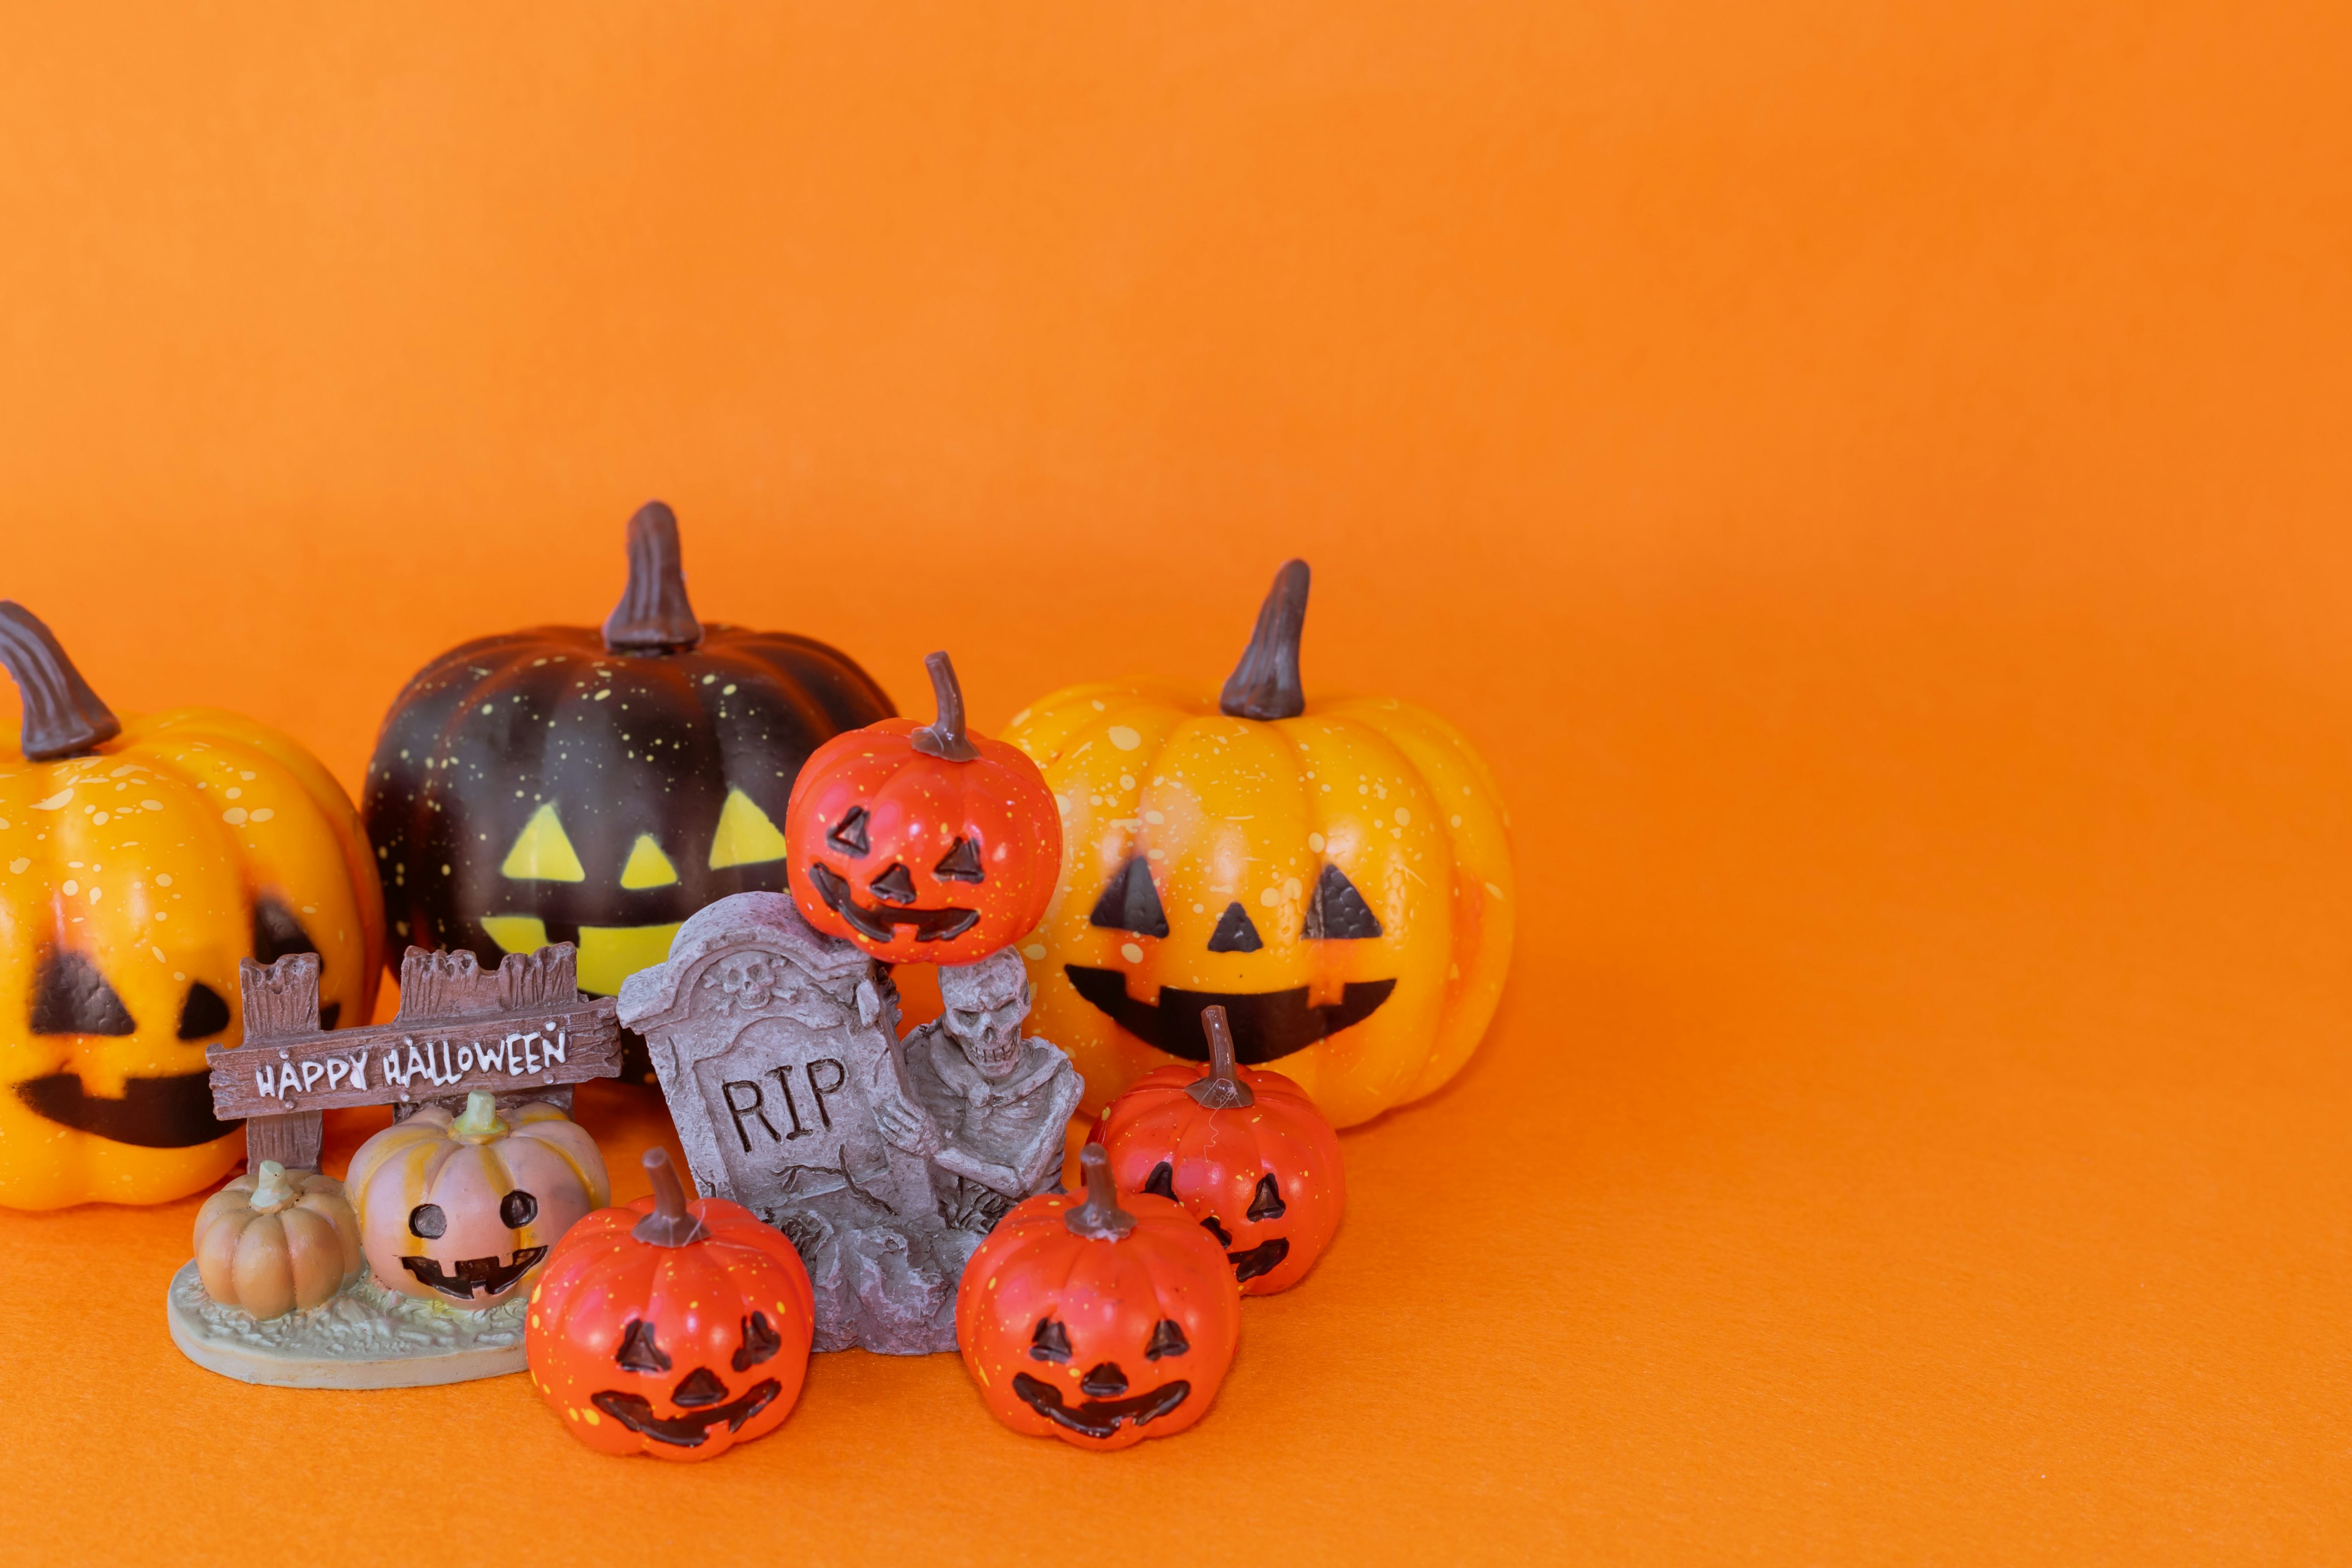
[(745, 835), (648, 866), (542, 852)]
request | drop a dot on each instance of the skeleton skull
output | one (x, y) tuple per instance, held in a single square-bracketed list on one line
[(986, 1003)]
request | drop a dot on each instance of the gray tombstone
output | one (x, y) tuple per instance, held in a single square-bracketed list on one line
[(777, 1051)]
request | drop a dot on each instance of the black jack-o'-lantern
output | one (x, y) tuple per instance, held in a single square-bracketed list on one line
[(566, 784)]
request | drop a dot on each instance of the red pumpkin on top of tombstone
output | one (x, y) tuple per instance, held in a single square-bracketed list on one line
[(923, 843)]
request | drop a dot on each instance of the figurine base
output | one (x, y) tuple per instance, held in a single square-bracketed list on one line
[(367, 1337)]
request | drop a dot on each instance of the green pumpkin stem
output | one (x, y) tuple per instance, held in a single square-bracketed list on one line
[(1265, 685), (1221, 1087), (271, 1189), (671, 1223), (944, 737), (479, 1121), (63, 716), (1099, 1218), (653, 615)]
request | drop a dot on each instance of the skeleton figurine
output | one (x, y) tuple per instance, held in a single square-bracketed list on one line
[(987, 1108)]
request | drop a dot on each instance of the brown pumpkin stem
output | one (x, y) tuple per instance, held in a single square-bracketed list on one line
[(1099, 1218), (63, 716), (1221, 1087), (653, 615), (1265, 685), (944, 736), (669, 1224)]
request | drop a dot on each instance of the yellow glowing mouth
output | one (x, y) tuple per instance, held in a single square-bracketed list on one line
[(608, 955)]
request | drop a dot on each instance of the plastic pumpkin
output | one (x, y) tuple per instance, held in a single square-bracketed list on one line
[(462, 1209), (923, 843), (564, 783), (140, 859), (1335, 874), (1098, 1324), (672, 1329), (1244, 1151), (276, 1241)]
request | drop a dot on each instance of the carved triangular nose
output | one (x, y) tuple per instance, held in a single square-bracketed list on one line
[(1104, 1380), (697, 1388)]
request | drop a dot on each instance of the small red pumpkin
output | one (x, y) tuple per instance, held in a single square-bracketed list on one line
[(923, 843), (1243, 1150), (1083, 1320), (672, 1329)]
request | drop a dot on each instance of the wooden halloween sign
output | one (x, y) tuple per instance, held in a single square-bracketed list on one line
[(521, 1032), (470, 1059)]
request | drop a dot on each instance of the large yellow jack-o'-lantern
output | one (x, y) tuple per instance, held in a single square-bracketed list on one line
[(1336, 875), (140, 860)]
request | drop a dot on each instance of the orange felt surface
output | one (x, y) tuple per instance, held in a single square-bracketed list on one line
[(1871, 479)]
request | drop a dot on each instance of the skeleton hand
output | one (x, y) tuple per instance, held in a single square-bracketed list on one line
[(907, 1127)]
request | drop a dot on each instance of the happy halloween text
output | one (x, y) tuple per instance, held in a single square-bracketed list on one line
[(437, 1062), (384, 1063)]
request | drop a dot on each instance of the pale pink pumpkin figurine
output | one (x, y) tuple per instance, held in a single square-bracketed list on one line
[(463, 1209), (275, 1241)]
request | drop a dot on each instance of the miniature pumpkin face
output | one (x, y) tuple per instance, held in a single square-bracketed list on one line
[(139, 861), (276, 1241), (672, 1329), (1244, 1151), (563, 785), (1097, 1324), (1335, 875), (461, 1209), (923, 845)]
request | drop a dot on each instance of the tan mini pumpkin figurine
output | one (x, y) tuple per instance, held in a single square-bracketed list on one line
[(275, 1241), (462, 1209)]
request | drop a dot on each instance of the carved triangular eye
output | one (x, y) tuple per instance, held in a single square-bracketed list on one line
[(276, 932), (848, 834), (1235, 932), (896, 886), (639, 1353), (1050, 1342), (542, 852), (1267, 1201), (1167, 1339), (962, 864), (204, 1013), (71, 997), (1162, 1181), (1129, 902), (1338, 912), (761, 1342)]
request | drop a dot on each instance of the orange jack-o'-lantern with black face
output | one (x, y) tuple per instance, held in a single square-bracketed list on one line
[(1244, 1151), (671, 1329), (923, 843), (1098, 1323)]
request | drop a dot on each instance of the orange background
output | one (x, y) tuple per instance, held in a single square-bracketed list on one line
[(1870, 478)]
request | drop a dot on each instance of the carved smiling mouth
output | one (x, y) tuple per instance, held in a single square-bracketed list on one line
[(487, 1273), (1098, 1418), (689, 1431), (877, 922), (174, 1112), (1267, 1024)]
